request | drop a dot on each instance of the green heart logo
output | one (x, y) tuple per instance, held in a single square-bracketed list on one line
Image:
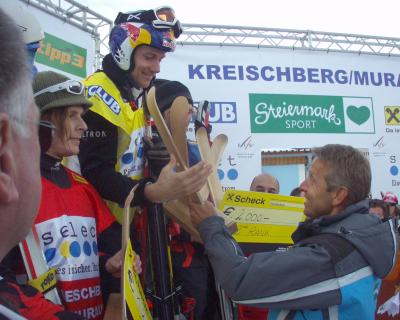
[(359, 114)]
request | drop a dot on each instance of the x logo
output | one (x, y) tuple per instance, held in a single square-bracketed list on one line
[(392, 112), (230, 196)]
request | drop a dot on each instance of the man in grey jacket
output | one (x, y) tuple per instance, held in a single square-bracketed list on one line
[(340, 255)]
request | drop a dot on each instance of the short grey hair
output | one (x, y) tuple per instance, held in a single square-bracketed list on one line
[(348, 168), (15, 75)]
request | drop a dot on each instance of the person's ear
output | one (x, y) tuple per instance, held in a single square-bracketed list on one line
[(8, 189), (340, 196)]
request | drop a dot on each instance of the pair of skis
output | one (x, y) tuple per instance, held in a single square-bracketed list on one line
[(164, 293), (213, 155), (40, 275), (176, 144), (133, 300)]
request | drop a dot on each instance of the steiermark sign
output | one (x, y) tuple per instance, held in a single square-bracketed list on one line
[(290, 113)]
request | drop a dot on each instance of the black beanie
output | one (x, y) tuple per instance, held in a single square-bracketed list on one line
[(167, 91)]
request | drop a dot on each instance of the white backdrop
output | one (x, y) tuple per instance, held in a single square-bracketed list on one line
[(362, 88)]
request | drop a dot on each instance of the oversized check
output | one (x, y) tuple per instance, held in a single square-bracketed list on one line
[(263, 218)]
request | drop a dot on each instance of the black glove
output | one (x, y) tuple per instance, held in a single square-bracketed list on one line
[(156, 153)]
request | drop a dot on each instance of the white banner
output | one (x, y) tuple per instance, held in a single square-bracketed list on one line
[(278, 99)]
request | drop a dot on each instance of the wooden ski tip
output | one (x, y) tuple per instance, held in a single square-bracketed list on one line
[(232, 227), (151, 95), (229, 223), (129, 198), (162, 127), (178, 125), (222, 137)]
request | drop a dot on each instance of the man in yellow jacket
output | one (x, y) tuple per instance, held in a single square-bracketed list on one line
[(112, 157)]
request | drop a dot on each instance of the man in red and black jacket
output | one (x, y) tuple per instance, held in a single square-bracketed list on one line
[(19, 173), (23, 300)]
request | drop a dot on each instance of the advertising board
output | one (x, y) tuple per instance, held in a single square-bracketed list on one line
[(280, 99)]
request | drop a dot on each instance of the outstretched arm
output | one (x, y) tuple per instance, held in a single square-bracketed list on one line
[(270, 279)]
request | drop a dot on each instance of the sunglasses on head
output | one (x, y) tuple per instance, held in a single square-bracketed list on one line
[(71, 86), (46, 132), (165, 17), (159, 18)]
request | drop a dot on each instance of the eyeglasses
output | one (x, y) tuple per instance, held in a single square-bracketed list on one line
[(160, 18), (72, 86), (46, 132)]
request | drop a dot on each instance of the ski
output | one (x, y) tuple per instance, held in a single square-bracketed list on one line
[(39, 274), (206, 154), (133, 299), (218, 147), (165, 134), (178, 118), (213, 156)]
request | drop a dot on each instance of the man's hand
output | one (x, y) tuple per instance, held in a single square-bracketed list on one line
[(173, 185), (199, 212), (114, 264)]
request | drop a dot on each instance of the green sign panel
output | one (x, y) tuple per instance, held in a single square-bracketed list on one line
[(286, 113), (62, 55)]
